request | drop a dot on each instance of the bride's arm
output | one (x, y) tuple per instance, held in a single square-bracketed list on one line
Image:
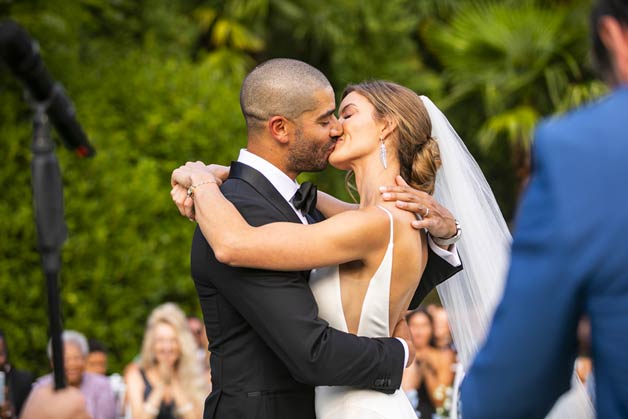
[(282, 246), (348, 236), (329, 205)]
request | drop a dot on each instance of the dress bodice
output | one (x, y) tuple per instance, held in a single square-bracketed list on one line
[(347, 402), (374, 316)]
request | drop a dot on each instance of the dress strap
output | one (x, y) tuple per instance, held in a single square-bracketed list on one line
[(390, 217)]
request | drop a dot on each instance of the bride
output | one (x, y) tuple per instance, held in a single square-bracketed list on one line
[(368, 260)]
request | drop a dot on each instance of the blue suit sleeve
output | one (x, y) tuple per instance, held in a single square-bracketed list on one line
[(527, 359)]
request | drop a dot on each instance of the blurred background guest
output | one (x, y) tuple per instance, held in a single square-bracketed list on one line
[(97, 363), (17, 384), (427, 380), (99, 398), (168, 383), (45, 403), (97, 358), (202, 352), (442, 334)]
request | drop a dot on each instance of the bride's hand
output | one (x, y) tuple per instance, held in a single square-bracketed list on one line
[(220, 172), (196, 172), (435, 218), (190, 174)]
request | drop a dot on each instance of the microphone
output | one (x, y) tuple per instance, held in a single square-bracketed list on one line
[(21, 54)]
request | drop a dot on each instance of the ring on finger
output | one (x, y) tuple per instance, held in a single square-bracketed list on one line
[(427, 211)]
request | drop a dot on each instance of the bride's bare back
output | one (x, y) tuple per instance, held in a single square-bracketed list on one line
[(408, 262)]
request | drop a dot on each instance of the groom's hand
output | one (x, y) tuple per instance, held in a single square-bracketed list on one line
[(402, 331), (436, 219)]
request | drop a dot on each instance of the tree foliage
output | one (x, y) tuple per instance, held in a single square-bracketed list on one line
[(156, 83)]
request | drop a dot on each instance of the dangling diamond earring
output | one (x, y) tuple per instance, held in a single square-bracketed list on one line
[(382, 153)]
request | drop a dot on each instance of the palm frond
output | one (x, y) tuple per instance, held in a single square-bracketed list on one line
[(515, 125)]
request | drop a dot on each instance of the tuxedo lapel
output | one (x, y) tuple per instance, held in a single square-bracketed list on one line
[(264, 187)]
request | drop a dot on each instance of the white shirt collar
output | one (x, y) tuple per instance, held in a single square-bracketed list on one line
[(282, 182)]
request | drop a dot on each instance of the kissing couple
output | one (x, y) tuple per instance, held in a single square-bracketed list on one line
[(304, 295)]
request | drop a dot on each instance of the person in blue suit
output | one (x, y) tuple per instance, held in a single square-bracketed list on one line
[(569, 256)]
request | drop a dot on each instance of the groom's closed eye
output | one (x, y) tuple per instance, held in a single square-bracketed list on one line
[(326, 118)]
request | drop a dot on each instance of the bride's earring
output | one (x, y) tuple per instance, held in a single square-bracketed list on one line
[(382, 153)]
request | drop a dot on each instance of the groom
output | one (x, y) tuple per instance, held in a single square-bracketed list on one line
[(269, 348)]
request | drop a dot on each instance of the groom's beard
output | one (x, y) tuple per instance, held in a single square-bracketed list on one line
[(306, 155)]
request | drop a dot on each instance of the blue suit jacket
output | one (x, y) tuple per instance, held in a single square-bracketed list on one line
[(569, 258)]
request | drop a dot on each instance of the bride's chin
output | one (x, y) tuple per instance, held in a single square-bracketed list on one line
[(338, 164)]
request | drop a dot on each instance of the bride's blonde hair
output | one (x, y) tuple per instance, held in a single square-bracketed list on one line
[(417, 151), (187, 368)]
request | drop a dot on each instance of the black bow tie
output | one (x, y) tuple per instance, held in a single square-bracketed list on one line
[(305, 198)]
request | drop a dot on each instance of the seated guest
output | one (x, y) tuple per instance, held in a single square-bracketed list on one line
[(168, 383), (99, 397), (97, 357), (17, 383)]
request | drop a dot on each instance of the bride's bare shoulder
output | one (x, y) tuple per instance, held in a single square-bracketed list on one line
[(370, 220)]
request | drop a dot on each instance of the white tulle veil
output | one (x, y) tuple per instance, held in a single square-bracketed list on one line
[(471, 296)]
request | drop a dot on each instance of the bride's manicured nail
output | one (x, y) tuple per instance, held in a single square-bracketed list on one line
[(386, 195), (401, 204), (382, 189)]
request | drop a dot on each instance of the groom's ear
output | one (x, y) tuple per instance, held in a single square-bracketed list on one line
[(279, 128)]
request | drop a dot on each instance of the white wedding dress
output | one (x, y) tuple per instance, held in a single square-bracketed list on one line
[(339, 402)]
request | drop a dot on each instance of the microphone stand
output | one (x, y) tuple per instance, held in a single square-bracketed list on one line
[(49, 215)]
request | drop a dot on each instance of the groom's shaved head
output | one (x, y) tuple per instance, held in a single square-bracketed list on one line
[(280, 87)]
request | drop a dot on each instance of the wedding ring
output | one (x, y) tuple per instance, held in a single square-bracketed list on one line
[(427, 211)]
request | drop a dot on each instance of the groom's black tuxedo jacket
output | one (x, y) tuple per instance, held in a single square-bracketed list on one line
[(268, 346)]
